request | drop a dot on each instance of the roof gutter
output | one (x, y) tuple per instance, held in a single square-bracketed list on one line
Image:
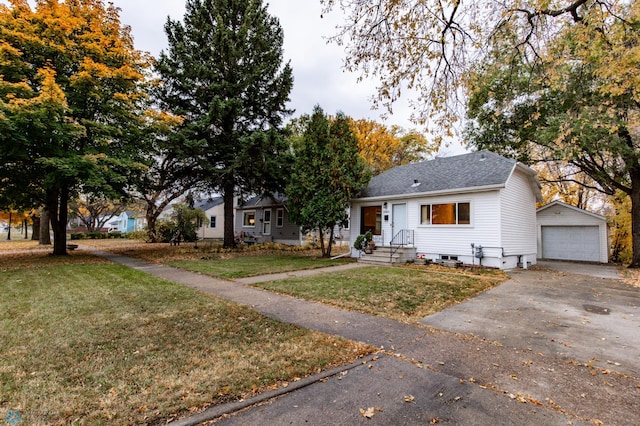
[(466, 190)]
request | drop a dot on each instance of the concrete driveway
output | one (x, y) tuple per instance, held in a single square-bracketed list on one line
[(559, 309)]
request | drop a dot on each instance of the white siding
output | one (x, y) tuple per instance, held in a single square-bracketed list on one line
[(518, 220), (561, 215), (456, 240), (452, 240), (217, 232)]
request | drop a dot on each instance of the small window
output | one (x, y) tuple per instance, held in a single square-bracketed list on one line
[(212, 222), (464, 213), (425, 215), (249, 219), (279, 218)]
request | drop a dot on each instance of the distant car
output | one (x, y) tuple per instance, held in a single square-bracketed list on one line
[(6, 228)]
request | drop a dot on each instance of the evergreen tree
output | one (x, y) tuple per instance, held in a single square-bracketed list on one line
[(223, 74), (327, 173)]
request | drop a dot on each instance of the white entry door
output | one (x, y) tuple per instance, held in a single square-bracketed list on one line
[(398, 218), (266, 223)]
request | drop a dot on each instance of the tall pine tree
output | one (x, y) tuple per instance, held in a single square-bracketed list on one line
[(223, 73)]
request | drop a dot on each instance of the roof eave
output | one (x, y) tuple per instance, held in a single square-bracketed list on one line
[(474, 189)]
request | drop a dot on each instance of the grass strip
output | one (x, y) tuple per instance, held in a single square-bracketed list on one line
[(400, 293), (239, 266)]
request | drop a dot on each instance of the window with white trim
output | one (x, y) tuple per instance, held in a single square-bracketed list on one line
[(445, 214), (249, 219), (279, 218)]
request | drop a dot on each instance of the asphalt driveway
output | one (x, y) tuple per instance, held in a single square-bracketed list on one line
[(559, 309)]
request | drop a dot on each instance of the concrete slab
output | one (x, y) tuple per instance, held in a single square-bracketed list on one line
[(397, 393), (596, 270), (572, 316)]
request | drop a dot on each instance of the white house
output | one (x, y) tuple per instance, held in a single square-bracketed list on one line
[(213, 208), (566, 232), (478, 208)]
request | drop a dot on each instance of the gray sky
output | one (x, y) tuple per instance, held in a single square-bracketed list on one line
[(317, 66)]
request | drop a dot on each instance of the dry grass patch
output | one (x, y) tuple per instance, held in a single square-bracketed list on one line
[(31, 260), (402, 293), (102, 344), (19, 245)]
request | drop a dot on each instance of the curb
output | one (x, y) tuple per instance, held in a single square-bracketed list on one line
[(217, 411)]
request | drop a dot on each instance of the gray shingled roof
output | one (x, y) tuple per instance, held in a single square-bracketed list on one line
[(276, 199), (209, 203), (476, 169)]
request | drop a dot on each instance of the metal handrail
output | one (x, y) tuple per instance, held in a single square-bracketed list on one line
[(403, 238)]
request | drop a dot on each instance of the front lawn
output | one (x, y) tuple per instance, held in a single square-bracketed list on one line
[(243, 265), (88, 342), (401, 293)]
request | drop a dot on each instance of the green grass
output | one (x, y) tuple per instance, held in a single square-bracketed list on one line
[(239, 266), (100, 344), (403, 294)]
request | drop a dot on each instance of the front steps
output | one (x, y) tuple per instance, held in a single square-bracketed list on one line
[(382, 256)]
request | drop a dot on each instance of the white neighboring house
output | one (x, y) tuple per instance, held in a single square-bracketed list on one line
[(214, 210), (449, 207), (566, 232)]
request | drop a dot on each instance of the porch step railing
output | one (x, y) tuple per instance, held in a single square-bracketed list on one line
[(403, 238)]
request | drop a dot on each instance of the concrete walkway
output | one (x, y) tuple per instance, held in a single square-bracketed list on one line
[(421, 376)]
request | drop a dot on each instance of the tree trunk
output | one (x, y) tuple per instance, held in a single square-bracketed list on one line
[(44, 235), (26, 229), (228, 197), (635, 216), (321, 236), (35, 225), (57, 204), (330, 245), (151, 215), (9, 232)]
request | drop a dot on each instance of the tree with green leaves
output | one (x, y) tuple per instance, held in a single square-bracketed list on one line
[(223, 74), (426, 48), (327, 173), (577, 104), (69, 97), (170, 172)]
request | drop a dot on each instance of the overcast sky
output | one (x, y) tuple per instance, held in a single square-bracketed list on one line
[(317, 66)]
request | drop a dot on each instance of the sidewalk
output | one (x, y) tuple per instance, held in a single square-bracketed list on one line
[(422, 375)]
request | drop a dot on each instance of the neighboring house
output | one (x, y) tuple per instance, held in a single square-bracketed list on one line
[(265, 219), (213, 208), (127, 221), (566, 232), (477, 208)]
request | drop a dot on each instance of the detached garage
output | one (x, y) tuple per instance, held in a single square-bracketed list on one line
[(568, 233)]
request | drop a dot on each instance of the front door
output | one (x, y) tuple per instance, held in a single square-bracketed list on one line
[(398, 218), (266, 223)]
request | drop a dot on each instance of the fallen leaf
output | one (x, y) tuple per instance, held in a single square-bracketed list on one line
[(368, 413), (409, 398), (434, 421)]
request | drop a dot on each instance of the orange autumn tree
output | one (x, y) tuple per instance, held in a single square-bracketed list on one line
[(70, 99), (383, 148)]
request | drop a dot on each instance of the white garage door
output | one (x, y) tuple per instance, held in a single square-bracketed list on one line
[(571, 243)]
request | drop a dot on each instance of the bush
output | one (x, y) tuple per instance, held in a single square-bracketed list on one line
[(165, 231), (134, 235)]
